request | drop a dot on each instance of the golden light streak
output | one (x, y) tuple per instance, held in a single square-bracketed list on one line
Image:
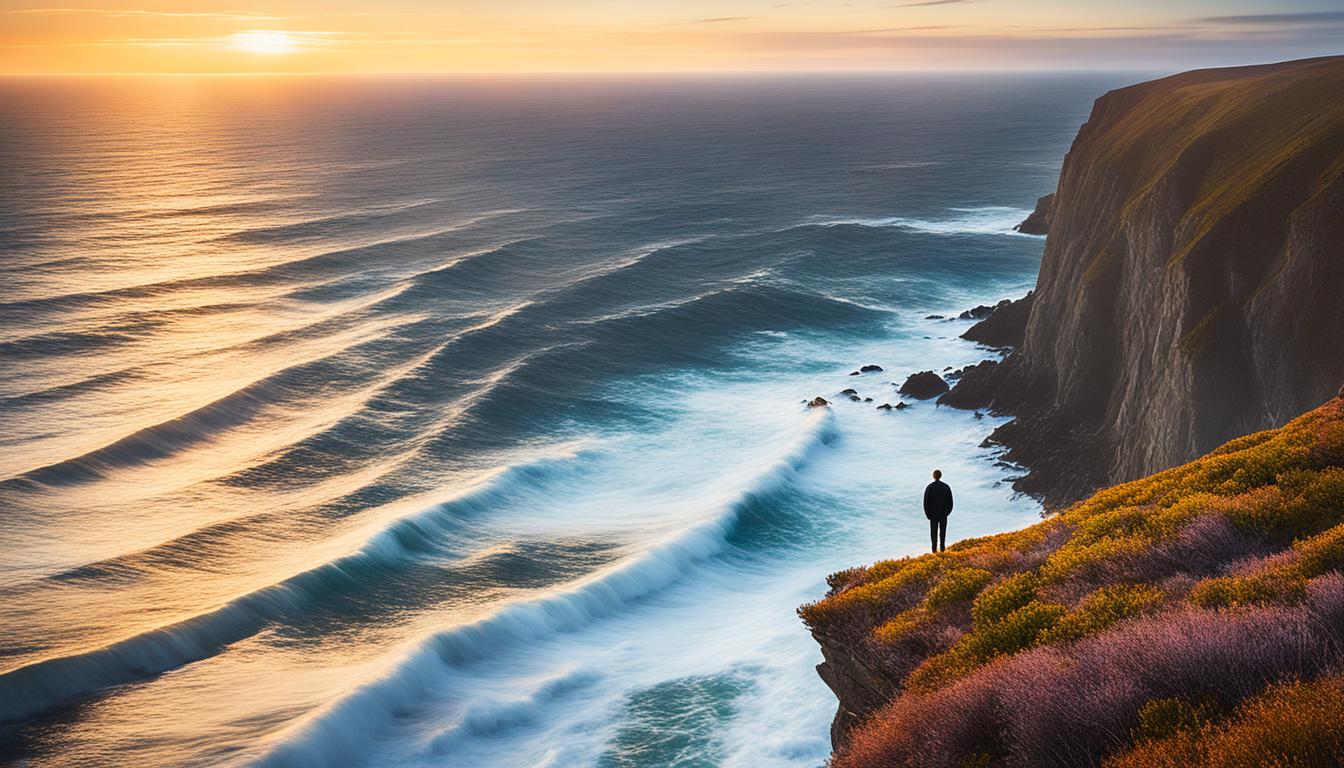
[(267, 42)]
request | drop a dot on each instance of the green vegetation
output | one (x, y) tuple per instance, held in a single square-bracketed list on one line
[(1295, 724), (1253, 526)]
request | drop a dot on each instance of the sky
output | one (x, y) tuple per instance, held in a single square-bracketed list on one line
[(547, 36)]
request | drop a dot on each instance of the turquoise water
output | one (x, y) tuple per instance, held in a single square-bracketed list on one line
[(460, 422)]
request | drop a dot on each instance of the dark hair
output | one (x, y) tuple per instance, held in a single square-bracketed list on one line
[(937, 474)]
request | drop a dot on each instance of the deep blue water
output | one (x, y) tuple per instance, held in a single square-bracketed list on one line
[(458, 422)]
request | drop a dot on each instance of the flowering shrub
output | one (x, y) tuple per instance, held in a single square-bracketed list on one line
[(1164, 718), (1103, 608), (1075, 704), (958, 586), (1293, 724)]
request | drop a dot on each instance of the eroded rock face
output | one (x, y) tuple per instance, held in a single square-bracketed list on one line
[(978, 313), (923, 385), (1006, 326), (1038, 223), (1190, 288)]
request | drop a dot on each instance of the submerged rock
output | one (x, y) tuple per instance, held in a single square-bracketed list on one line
[(924, 385), (849, 392), (818, 402)]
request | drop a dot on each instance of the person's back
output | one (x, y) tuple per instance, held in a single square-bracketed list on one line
[(937, 506)]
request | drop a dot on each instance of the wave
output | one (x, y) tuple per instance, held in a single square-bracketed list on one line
[(986, 220), (36, 687), (344, 261), (322, 225), (339, 731), (489, 720)]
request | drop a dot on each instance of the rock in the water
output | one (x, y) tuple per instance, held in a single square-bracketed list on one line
[(978, 313), (1006, 325), (849, 392), (902, 406), (867, 399), (934, 317), (818, 402), (884, 407), (924, 385), (1038, 223), (975, 388), (854, 398), (870, 369)]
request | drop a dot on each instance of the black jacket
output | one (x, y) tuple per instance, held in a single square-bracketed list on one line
[(937, 500)]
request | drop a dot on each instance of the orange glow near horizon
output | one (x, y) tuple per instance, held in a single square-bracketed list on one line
[(407, 36)]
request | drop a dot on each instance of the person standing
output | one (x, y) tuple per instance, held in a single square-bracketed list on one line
[(937, 506)]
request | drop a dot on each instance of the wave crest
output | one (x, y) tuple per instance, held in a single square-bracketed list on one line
[(336, 733)]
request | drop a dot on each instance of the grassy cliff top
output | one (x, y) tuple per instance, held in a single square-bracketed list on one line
[(1229, 139), (1166, 621)]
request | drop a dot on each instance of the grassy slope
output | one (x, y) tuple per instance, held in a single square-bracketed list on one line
[(1194, 617), (1266, 122)]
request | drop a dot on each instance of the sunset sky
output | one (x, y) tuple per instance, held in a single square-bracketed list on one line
[(410, 36)]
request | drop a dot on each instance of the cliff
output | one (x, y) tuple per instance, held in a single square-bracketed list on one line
[(1038, 223), (1194, 617), (1190, 287)]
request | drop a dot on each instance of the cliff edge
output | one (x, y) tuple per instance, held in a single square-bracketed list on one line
[(1190, 289), (1191, 618)]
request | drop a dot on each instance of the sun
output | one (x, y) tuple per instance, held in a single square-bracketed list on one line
[(269, 42)]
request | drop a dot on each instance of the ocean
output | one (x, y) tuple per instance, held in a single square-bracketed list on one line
[(459, 422)]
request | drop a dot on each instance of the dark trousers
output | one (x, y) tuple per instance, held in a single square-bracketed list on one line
[(938, 533)]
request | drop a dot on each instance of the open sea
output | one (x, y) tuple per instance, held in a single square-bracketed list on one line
[(459, 422)]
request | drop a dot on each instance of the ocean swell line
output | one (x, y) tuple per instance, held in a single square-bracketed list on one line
[(34, 688)]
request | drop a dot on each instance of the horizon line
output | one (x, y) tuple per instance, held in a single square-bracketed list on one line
[(654, 73)]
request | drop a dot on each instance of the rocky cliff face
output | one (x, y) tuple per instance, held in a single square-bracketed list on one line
[(1192, 286), (1038, 223)]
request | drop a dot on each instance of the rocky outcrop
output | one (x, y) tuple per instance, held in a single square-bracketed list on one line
[(1006, 326), (1190, 287), (1038, 223), (923, 385), (979, 313)]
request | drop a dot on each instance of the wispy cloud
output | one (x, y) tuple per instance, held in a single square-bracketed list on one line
[(1312, 17), (137, 13), (718, 19), (930, 2)]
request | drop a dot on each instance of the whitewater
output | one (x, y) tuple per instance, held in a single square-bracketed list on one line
[(461, 421)]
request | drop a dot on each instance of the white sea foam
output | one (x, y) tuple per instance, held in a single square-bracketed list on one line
[(341, 730), (986, 220)]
